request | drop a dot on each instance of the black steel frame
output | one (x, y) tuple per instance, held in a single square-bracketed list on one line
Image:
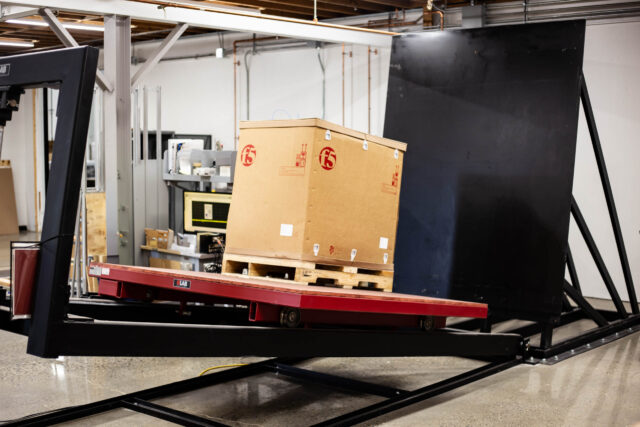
[(52, 333), (609, 323), (395, 399)]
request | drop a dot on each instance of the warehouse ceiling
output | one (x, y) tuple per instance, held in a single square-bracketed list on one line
[(16, 36), (31, 33)]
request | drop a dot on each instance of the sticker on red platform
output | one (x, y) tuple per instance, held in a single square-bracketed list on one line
[(248, 155), (327, 158), (395, 180), (301, 163)]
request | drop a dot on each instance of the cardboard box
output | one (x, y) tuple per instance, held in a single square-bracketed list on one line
[(8, 213), (159, 239), (315, 191)]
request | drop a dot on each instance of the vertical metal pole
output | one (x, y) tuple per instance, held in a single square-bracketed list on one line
[(139, 181), (83, 213), (118, 182), (608, 194), (597, 258), (159, 162)]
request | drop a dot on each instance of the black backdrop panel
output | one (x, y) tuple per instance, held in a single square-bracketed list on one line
[(490, 116)]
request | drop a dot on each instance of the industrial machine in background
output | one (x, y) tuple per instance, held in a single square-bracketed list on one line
[(187, 167)]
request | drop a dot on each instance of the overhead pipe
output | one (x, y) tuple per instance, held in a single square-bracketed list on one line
[(246, 68), (324, 81)]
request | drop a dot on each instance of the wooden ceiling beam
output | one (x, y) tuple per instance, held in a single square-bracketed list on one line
[(399, 4), (307, 4), (360, 6)]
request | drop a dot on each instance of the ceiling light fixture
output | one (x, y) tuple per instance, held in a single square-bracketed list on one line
[(27, 22), (68, 25), (16, 43), (84, 27)]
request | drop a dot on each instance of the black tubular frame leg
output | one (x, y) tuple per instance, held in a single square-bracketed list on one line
[(597, 258), (584, 304), (608, 194)]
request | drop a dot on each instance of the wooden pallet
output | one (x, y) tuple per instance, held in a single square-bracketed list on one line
[(305, 272)]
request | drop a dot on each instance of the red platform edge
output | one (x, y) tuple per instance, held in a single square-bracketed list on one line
[(254, 290)]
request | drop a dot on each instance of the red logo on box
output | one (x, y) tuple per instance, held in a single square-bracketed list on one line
[(327, 158), (248, 155)]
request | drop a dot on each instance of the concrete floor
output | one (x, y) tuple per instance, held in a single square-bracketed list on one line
[(600, 387)]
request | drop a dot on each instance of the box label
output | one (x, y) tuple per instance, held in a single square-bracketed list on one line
[(248, 155), (301, 163), (286, 230), (395, 179), (208, 211), (181, 283), (384, 243), (327, 158)]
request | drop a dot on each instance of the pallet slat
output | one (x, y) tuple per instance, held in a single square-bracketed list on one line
[(307, 273)]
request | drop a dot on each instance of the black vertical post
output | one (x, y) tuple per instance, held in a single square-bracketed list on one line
[(571, 266), (606, 185), (45, 131), (546, 335), (75, 69), (597, 258)]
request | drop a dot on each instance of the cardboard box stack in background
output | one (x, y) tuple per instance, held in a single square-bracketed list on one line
[(314, 191)]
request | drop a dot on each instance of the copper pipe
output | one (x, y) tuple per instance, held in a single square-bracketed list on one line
[(441, 19), (267, 17)]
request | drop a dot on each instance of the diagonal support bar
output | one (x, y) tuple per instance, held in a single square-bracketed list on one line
[(584, 304), (571, 266), (164, 47), (597, 258), (606, 185), (67, 39)]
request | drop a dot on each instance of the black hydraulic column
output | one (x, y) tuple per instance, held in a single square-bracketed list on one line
[(608, 194), (597, 258)]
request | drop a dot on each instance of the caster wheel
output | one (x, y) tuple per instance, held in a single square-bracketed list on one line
[(290, 317), (428, 324)]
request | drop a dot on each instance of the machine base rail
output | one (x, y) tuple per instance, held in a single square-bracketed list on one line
[(140, 401)]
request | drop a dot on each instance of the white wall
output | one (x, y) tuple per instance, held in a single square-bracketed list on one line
[(611, 68), (197, 94)]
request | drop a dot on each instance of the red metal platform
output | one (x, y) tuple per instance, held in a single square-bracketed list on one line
[(268, 297)]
